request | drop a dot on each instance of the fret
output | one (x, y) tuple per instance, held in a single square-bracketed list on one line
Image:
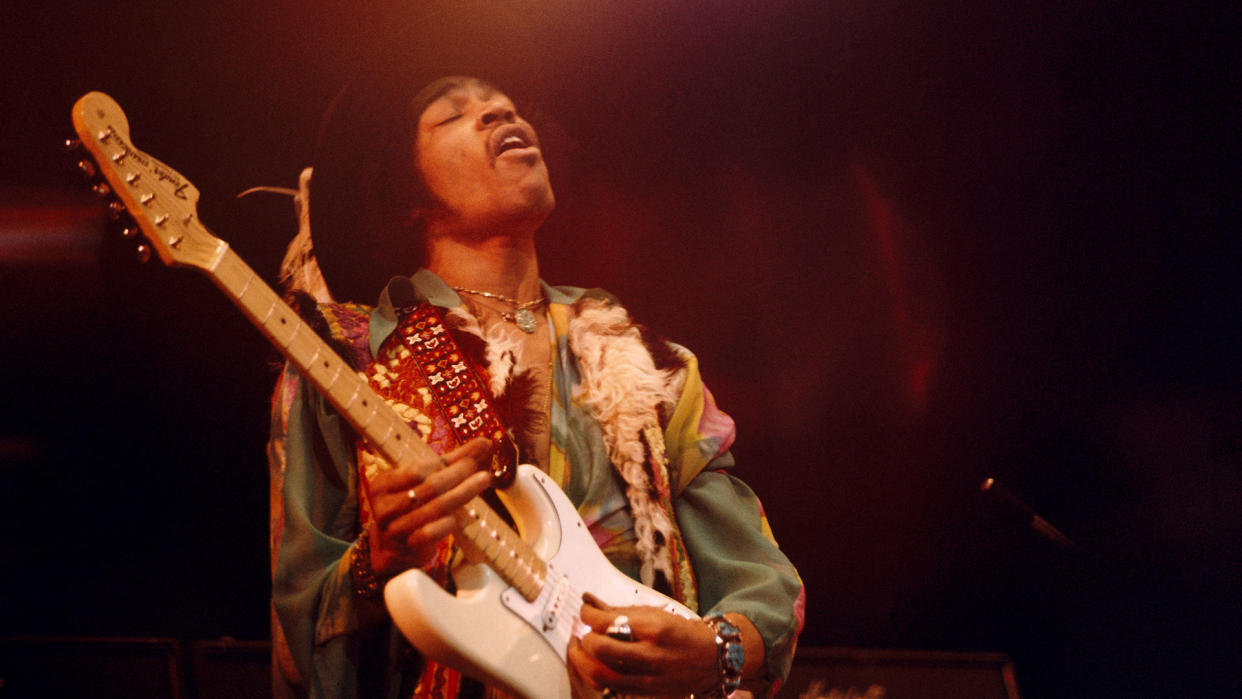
[(473, 529), (271, 308), (227, 270), (363, 422), (249, 305), (509, 569), (391, 449), (380, 441), (292, 333), (470, 535), (329, 385), (312, 361), (236, 277), (395, 447), (246, 287), (287, 334), (348, 405), (493, 546)]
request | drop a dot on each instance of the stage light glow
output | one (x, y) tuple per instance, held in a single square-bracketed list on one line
[(40, 232)]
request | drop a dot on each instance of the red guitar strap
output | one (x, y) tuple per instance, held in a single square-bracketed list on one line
[(455, 385), (423, 373)]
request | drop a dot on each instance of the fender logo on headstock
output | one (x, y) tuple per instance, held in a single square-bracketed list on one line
[(161, 173)]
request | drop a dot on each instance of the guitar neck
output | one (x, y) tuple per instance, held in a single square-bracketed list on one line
[(331, 375), (485, 534), (162, 202)]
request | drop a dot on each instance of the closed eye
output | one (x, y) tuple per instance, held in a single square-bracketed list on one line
[(445, 121)]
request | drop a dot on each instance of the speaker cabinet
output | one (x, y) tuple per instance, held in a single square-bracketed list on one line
[(89, 667), (859, 673), (226, 668)]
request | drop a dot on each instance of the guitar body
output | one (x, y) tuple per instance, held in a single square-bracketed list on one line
[(491, 632)]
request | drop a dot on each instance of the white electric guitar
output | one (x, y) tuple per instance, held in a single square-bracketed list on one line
[(519, 597)]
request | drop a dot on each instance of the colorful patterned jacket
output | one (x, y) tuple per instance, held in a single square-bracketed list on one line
[(677, 521)]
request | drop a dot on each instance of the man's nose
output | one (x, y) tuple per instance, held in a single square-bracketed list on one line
[(497, 112)]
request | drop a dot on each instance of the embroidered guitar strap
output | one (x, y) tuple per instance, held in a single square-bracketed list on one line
[(397, 375), (426, 378), (455, 385)]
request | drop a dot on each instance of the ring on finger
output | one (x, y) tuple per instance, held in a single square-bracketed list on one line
[(413, 496), (620, 629)]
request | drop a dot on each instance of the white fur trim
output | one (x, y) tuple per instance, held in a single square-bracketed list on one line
[(626, 392), (501, 348), (621, 383)]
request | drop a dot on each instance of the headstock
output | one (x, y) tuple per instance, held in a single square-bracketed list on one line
[(160, 199)]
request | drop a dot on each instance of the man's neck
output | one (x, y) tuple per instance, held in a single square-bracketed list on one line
[(498, 264)]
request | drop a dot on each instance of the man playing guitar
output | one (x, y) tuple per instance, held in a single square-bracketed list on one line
[(617, 418)]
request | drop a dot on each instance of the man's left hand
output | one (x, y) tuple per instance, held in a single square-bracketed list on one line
[(669, 656)]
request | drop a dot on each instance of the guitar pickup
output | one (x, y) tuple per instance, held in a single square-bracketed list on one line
[(556, 603)]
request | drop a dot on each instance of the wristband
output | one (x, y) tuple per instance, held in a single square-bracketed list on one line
[(366, 584), (730, 654)]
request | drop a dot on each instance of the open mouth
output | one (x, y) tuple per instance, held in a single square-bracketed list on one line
[(511, 142), (511, 137)]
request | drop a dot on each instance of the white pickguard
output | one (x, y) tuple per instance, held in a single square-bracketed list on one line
[(488, 630)]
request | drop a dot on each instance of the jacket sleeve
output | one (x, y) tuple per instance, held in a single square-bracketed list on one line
[(317, 616), (737, 563)]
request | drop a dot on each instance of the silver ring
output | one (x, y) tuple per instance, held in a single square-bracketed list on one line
[(608, 693), (620, 629), (412, 496)]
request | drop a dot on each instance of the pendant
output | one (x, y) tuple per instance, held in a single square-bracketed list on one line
[(525, 320)]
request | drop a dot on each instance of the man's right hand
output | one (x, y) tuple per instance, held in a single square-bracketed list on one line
[(412, 513)]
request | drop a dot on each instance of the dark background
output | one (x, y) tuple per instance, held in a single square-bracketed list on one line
[(913, 244)]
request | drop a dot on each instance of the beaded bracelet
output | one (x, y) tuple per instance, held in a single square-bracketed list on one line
[(366, 584), (730, 655)]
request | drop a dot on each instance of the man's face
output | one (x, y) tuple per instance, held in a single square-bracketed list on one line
[(481, 162)]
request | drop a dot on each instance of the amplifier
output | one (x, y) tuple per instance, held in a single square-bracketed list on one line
[(95, 667), (860, 673), (227, 668)]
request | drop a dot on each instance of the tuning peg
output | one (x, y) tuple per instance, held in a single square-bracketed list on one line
[(87, 168), (102, 189), (129, 232), (71, 145), (115, 209), (144, 253)]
